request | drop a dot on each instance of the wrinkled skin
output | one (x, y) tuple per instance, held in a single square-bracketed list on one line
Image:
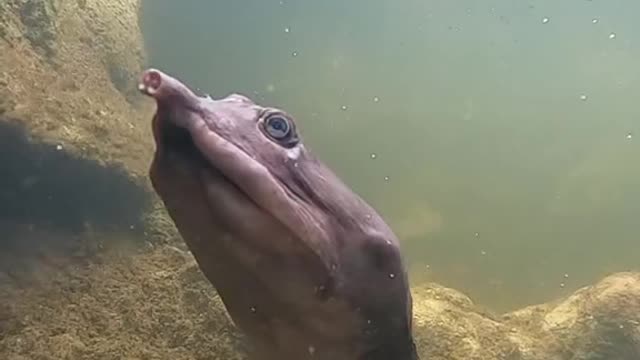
[(305, 268)]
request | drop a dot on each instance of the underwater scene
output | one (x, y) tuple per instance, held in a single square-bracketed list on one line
[(331, 180)]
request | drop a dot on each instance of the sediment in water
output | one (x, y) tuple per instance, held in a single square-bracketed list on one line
[(114, 281)]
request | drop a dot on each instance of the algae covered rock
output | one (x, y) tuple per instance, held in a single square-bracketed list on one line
[(598, 322), (153, 304), (68, 72), (449, 326)]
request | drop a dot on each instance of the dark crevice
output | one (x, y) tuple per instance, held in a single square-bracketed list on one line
[(44, 189)]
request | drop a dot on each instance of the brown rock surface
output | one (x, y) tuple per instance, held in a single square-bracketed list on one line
[(154, 303), (597, 322), (68, 71), (123, 303)]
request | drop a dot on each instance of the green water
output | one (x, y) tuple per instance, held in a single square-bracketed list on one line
[(496, 137)]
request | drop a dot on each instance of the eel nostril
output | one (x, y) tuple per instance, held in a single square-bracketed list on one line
[(152, 79)]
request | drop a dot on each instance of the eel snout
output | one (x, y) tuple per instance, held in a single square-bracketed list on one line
[(166, 89)]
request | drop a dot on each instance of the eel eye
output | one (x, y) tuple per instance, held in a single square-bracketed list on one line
[(278, 127)]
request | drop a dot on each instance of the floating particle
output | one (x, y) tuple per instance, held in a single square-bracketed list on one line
[(287, 30), (594, 21), (376, 99), (629, 136), (343, 107), (583, 97), (373, 156), (58, 147), (294, 54), (545, 20), (612, 36), (386, 178)]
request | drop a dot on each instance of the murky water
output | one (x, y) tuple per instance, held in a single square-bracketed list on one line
[(497, 137)]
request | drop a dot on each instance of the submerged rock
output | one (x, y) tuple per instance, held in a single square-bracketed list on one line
[(158, 305), (598, 322)]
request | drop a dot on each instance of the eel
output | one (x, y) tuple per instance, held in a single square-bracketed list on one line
[(305, 267)]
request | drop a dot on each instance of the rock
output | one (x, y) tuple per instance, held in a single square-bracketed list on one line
[(129, 311), (598, 322), (98, 49), (449, 327), (595, 323), (38, 18)]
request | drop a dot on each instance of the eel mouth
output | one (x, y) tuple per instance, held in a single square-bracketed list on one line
[(176, 107)]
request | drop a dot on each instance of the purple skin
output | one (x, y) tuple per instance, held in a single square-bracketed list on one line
[(305, 268)]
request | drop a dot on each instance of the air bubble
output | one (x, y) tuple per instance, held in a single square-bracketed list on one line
[(583, 97), (629, 136), (287, 30), (392, 276), (386, 178), (343, 107), (373, 156), (294, 54), (376, 99)]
